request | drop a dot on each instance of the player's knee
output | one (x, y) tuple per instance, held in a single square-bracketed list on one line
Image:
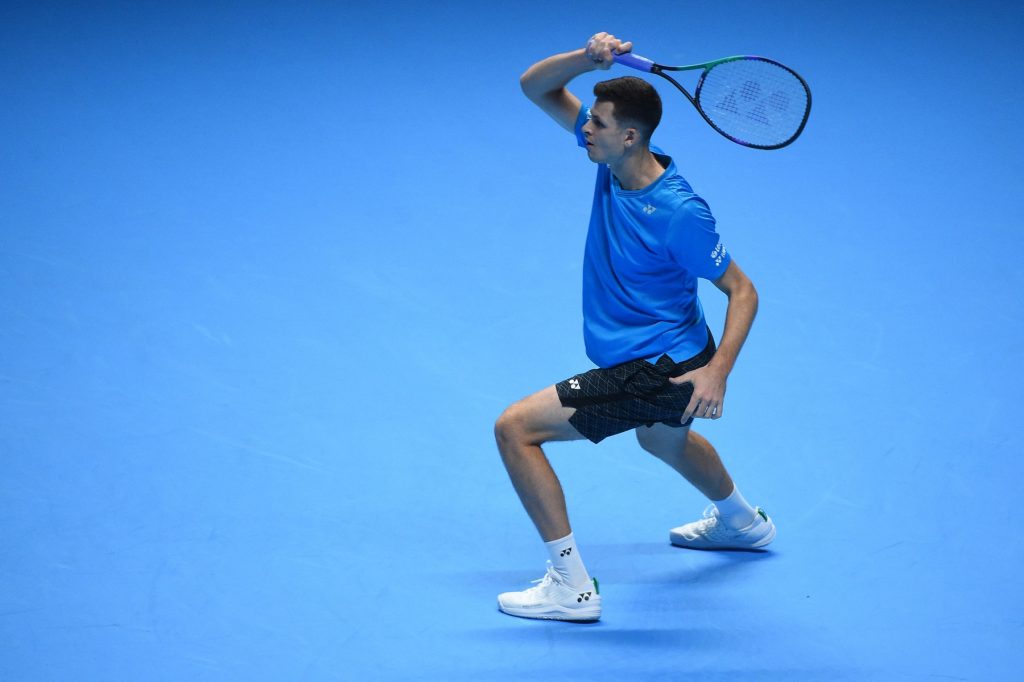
[(509, 425), (664, 442), (645, 439)]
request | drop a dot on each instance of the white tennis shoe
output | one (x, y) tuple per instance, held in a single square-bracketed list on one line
[(553, 599), (711, 533)]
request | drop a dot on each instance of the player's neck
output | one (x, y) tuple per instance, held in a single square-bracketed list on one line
[(638, 170)]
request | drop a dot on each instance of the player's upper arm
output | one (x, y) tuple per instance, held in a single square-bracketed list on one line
[(561, 105), (734, 280)]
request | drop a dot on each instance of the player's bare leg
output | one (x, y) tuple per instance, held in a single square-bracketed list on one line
[(566, 592), (729, 522), (691, 455), (520, 431)]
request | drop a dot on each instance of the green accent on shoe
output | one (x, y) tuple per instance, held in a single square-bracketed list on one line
[(761, 512), (596, 588)]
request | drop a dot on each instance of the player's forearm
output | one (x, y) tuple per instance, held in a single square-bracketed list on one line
[(739, 317), (551, 75)]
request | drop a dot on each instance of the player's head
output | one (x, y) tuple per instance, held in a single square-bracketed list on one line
[(636, 103), (624, 116)]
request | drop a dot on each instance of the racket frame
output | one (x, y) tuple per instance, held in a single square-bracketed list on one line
[(643, 64)]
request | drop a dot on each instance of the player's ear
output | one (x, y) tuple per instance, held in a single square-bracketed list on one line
[(632, 137)]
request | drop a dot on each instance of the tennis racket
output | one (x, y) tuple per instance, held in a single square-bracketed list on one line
[(753, 101)]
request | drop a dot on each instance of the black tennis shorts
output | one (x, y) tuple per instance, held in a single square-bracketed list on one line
[(636, 393)]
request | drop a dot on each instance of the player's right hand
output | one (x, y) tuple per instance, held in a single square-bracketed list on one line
[(602, 48)]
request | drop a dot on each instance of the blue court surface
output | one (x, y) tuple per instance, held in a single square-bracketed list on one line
[(270, 271)]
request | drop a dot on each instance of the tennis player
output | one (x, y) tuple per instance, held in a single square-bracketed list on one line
[(650, 238)]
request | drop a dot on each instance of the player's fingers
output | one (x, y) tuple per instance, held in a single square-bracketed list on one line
[(601, 54), (717, 412), (625, 47), (681, 379), (691, 408), (606, 46)]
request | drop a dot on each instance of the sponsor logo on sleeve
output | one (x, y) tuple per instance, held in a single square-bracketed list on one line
[(718, 255)]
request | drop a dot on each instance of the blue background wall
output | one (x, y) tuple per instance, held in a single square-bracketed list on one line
[(269, 271)]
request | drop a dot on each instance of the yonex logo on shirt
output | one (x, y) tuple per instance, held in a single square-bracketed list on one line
[(666, 228), (574, 383)]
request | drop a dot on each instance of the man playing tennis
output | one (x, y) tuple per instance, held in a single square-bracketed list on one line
[(650, 238)]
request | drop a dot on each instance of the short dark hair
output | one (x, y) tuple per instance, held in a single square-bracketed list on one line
[(637, 103)]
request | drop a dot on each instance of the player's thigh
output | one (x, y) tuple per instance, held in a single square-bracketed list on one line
[(538, 418), (663, 441)]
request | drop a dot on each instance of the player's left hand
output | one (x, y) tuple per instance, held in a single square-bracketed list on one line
[(708, 398)]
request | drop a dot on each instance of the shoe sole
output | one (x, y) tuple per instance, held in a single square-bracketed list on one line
[(680, 541), (584, 615)]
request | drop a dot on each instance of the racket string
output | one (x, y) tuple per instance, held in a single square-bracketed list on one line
[(754, 101)]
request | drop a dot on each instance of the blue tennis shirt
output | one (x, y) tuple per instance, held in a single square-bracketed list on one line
[(645, 250)]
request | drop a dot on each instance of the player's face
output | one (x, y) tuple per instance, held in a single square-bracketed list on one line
[(606, 140)]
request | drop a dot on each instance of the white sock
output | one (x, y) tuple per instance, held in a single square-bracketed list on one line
[(565, 558), (734, 511)]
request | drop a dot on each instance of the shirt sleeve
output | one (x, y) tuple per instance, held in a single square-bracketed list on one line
[(581, 120), (693, 241)]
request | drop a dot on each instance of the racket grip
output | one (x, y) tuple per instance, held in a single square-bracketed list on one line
[(634, 61)]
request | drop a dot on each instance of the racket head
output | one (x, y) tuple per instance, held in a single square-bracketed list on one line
[(753, 101)]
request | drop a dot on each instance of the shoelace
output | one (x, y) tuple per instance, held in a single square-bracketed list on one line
[(710, 525), (543, 582)]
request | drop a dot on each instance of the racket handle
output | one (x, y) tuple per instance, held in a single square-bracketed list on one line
[(634, 61)]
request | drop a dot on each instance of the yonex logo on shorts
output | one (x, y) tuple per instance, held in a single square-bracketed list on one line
[(611, 400)]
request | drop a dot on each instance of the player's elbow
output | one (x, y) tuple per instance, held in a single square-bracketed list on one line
[(533, 87), (528, 86), (743, 287), (747, 292), (739, 288), (745, 284)]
